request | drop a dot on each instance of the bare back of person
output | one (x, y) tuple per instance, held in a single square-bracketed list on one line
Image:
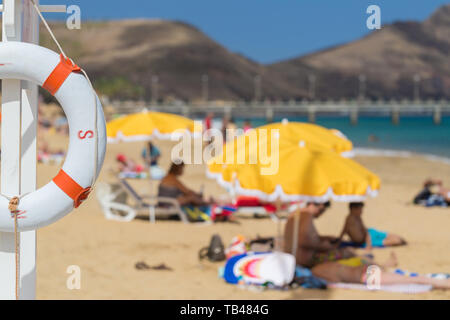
[(310, 248), (307, 235), (355, 229)]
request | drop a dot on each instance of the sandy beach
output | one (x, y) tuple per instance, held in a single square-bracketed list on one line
[(107, 251)]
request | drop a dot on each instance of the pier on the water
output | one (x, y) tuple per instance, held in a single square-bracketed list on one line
[(310, 110)]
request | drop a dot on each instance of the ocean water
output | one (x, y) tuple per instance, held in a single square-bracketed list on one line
[(413, 133)]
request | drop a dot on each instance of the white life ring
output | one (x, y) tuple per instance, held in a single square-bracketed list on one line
[(73, 91)]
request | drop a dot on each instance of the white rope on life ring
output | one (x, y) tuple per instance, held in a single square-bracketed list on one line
[(87, 134)]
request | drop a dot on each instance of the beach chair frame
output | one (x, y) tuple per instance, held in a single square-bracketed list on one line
[(107, 199), (252, 211), (154, 205), (256, 211)]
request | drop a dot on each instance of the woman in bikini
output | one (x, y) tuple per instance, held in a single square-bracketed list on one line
[(172, 187)]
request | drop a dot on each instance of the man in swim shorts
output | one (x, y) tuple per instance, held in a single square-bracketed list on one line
[(361, 236)]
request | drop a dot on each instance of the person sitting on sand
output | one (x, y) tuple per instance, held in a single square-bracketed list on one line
[(304, 242), (341, 265), (433, 194), (360, 236)]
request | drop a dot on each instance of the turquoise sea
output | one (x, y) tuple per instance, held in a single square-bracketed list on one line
[(413, 133)]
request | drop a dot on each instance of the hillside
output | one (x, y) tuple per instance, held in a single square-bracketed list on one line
[(389, 58), (122, 56)]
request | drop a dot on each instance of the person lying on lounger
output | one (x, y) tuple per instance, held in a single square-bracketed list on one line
[(128, 165), (368, 238)]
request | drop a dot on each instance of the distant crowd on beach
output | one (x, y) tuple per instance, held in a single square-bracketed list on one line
[(229, 127), (50, 126)]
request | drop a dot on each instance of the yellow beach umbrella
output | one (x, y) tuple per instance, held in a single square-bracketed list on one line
[(297, 132), (329, 139), (291, 169), (146, 125)]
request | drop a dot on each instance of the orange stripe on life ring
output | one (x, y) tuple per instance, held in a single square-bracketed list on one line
[(71, 188), (59, 75)]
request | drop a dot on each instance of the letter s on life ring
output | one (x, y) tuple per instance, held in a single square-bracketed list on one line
[(72, 90)]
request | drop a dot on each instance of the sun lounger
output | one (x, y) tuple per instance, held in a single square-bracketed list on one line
[(161, 206), (50, 158), (251, 206), (113, 199), (133, 175)]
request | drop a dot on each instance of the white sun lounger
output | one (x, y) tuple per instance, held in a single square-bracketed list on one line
[(113, 200)]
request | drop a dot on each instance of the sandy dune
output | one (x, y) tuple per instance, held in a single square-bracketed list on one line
[(107, 251)]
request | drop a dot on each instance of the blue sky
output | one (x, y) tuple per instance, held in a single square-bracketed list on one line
[(263, 30)]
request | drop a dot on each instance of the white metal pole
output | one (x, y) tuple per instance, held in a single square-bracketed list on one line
[(29, 95), (18, 161), (11, 141)]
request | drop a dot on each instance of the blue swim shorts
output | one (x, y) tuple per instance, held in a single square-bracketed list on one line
[(377, 237)]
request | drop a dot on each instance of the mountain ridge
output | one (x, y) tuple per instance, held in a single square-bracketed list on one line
[(123, 55)]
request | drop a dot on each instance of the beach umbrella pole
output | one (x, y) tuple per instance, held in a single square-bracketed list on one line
[(278, 241), (20, 22)]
